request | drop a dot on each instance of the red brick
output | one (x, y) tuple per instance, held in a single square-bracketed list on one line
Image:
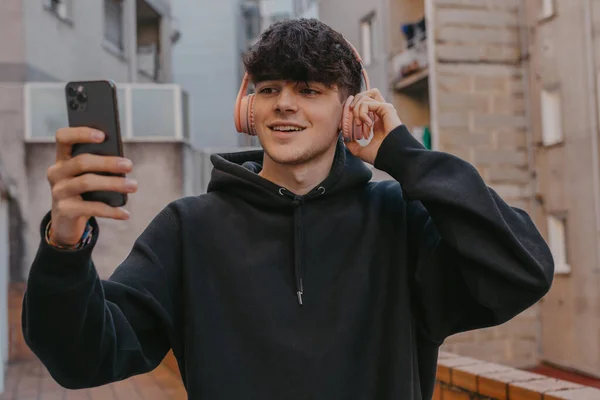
[(464, 380), (450, 394), (443, 373), (446, 364), (466, 377), (535, 389), (576, 394), (437, 392), (495, 384)]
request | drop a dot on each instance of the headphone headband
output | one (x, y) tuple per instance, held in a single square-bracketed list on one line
[(247, 100)]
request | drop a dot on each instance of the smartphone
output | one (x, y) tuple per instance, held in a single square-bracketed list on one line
[(94, 104)]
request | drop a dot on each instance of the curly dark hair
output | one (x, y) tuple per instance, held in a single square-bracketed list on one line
[(304, 50)]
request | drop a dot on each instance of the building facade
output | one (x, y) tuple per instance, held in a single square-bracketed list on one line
[(206, 63), (494, 85), (44, 45), (564, 53), (51, 42)]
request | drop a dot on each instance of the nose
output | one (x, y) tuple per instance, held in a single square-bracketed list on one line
[(286, 101)]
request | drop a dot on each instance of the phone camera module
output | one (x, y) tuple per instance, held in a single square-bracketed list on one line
[(82, 97), (73, 105)]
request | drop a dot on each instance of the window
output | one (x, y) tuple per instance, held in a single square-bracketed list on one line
[(558, 243), (149, 22), (366, 37), (251, 17), (547, 9), (113, 23), (552, 129), (61, 8)]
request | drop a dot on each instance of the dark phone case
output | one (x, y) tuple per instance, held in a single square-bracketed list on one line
[(100, 111)]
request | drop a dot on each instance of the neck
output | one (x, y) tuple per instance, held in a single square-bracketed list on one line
[(301, 178)]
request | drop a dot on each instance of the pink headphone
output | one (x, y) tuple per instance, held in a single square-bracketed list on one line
[(244, 106)]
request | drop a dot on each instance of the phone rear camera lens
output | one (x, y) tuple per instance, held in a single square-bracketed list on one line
[(71, 91), (73, 105), (82, 97)]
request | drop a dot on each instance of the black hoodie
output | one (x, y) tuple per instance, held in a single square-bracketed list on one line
[(344, 293)]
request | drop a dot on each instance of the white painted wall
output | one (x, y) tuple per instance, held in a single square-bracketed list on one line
[(206, 63)]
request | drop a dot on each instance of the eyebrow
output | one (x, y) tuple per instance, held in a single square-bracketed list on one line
[(307, 84)]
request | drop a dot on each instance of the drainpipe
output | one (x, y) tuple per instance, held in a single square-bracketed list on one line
[(593, 116), (523, 15), (526, 60)]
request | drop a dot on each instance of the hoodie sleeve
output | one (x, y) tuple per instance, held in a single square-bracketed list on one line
[(88, 331), (477, 262)]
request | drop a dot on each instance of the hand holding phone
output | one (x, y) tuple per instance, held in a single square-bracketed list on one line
[(89, 176), (70, 177)]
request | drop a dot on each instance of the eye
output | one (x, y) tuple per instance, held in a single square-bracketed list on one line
[(267, 90), (310, 91)]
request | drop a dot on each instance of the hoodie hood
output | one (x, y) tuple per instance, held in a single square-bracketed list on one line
[(237, 174)]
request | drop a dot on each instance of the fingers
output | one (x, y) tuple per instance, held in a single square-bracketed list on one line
[(74, 207), (374, 94), (367, 111), (68, 188), (67, 137), (368, 114), (363, 113), (85, 163), (71, 176)]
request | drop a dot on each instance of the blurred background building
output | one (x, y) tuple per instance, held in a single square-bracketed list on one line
[(43, 45), (491, 82), (511, 87)]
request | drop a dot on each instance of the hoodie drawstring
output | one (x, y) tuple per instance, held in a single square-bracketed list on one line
[(298, 243), (297, 202)]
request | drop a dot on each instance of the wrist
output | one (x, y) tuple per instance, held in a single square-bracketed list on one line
[(85, 238)]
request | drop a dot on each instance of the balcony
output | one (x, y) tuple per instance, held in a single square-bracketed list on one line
[(409, 66), (148, 112), (149, 26)]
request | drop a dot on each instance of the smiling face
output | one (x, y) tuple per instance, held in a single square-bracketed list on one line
[(296, 122)]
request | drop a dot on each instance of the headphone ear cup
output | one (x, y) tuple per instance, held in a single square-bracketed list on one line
[(251, 127), (347, 120), (247, 115), (243, 115)]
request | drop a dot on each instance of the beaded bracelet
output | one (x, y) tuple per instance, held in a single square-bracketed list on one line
[(85, 238)]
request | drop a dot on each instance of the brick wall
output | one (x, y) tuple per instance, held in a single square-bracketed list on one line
[(464, 378), (481, 117)]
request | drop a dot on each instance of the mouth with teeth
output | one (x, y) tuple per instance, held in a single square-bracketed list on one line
[(286, 128)]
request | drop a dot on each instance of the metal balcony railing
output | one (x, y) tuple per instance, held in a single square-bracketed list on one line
[(148, 112)]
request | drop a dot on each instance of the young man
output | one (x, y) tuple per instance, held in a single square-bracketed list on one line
[(295, 277)]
